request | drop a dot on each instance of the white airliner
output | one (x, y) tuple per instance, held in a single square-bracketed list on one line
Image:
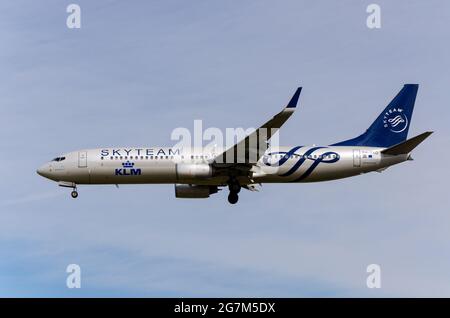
[(200, 172)]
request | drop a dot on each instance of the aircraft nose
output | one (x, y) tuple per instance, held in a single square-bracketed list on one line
[(43, 170)]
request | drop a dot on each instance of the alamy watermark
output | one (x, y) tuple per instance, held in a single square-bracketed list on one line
[(238, 145), (73, 20), (373, 20), (73, 280), (373, 280)]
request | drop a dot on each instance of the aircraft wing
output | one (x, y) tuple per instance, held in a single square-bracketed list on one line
[(252, 147)]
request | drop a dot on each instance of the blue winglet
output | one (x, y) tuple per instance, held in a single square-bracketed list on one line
[(294, 99)]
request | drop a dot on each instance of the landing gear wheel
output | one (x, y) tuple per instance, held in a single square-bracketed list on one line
[(233, 197), (74, 194)]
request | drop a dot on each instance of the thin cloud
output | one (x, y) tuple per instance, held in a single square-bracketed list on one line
[(31, 198)]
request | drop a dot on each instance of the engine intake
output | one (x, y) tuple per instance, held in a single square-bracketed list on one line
[(192, 191)]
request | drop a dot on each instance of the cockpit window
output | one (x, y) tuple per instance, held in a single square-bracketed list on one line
[(59, 159)]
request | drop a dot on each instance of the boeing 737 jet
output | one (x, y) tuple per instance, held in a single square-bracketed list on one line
[(200, 172)]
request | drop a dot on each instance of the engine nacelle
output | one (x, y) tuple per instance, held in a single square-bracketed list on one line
[(193, 191), (190, 170)]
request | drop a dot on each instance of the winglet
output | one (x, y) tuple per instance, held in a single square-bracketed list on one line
[(294, 99), (406, 146)]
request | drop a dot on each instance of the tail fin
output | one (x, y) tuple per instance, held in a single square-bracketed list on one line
[(392, 125), (407, 146)]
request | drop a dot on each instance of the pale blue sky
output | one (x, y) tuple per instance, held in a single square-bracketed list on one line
[(136, 70)]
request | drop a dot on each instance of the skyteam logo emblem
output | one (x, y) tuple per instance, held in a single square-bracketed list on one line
[(396, 120), (128, 170)]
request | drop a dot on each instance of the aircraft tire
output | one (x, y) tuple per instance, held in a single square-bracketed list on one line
[(233, 198)]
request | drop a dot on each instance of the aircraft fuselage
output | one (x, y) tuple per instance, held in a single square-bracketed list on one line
[(132, 165)]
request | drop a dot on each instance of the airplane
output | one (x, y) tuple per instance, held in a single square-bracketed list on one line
[(200, 172)]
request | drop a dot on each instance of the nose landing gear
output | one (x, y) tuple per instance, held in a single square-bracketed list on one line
[(74, 193), (71, 185)]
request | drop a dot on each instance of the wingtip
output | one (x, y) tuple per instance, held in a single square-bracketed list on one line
[(294, 100)]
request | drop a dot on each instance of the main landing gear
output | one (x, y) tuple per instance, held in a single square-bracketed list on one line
[(234, 188), (233, 197)]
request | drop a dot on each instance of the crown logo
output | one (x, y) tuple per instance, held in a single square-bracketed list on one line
[(128, 164)]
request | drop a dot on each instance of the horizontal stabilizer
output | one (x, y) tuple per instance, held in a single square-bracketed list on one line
[(406, 146)]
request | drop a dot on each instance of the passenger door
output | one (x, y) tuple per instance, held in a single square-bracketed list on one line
[(356, 158), (82, 159)]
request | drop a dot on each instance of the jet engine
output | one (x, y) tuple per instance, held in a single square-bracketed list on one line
[(190, 171), (193, 191)]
